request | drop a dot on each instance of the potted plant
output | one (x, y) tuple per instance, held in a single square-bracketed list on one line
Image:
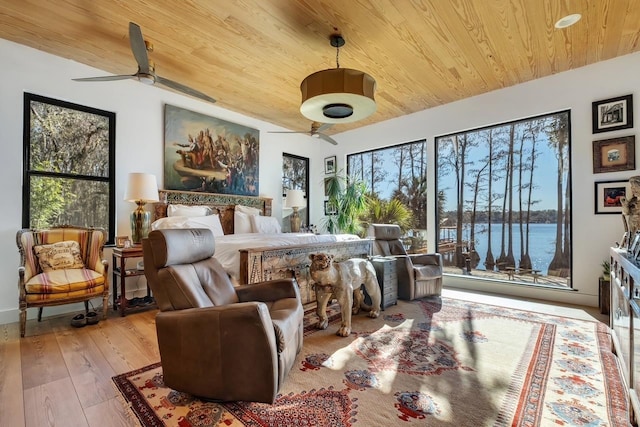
[(606, 270), (348, 197)]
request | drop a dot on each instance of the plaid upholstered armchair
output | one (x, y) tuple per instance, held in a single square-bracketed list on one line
[(61, 265)]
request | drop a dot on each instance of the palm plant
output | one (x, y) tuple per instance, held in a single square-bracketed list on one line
[(388, 212), (348, 196)]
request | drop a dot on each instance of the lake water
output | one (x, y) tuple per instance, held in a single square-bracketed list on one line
[(541, 243)]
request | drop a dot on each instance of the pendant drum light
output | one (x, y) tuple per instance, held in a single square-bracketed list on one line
[(338, 95)]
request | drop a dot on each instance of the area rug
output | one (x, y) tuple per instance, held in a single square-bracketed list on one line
[(435, 362)]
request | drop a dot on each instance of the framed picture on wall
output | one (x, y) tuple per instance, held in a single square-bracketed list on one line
[(608, 195), (615, 154), (330, 165), (329, 208), (612, 114)]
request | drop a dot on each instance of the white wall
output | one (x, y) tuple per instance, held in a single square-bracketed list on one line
[(574, 90), (139, 148), (139, 144)]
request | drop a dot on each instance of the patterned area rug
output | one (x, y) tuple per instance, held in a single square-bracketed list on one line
[(435, 362)]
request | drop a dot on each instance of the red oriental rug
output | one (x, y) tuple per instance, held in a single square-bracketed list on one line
[(435, 362)]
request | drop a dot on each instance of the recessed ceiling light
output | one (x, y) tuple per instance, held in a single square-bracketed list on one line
[(568, 20)]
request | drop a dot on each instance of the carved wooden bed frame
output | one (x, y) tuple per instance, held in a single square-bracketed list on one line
[(265, 263)]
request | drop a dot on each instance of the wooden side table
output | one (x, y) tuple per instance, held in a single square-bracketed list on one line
[(119, 268), (387, 279)]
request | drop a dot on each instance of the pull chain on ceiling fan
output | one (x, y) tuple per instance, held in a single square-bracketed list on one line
[(146, 69)]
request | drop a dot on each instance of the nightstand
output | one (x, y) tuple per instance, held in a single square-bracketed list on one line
[(387, 279), (119, 268)]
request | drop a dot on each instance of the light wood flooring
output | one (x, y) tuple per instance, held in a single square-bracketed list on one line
[(61, 376)]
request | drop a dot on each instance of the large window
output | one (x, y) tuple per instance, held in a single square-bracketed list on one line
[(295, 176), (69, 165), (397, 180), (504, 201)]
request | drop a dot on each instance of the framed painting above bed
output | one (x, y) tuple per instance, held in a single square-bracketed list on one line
[(207, 154)]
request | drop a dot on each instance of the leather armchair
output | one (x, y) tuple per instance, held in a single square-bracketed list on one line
[(217, 341), (419, 275)]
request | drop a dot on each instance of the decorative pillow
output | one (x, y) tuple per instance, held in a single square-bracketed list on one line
[(58, 256), (241, 223), (265, 224), (187, 210), (212, 222), (247, 210)]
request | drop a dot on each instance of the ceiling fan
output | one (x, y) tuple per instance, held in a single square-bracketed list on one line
[(146, 70), (316, 131)]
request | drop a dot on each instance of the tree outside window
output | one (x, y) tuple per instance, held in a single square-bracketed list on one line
[(396, 177), (69, 168), (504, 200)]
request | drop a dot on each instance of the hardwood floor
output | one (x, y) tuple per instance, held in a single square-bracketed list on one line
[(61, 376)]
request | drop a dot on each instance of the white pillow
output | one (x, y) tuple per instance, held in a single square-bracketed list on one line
[(186, 210), (265, 224), (241, 223), (212, 222), (247, 210)]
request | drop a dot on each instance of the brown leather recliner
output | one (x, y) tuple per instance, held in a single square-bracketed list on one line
[(216, 341), (419, 275)]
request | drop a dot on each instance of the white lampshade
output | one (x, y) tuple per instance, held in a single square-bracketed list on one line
[(141, 187), (295, 199)]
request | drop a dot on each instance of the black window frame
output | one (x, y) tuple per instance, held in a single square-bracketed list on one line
[(28, 173)]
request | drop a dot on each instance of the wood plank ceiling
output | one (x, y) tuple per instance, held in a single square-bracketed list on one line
[(251, 55)]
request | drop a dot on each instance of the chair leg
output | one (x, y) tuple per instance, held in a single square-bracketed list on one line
[(105, 306), (40, 314), (23, 321)]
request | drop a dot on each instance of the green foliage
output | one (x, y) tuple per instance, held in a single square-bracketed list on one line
[(49, 199), (606, 268), (388, 212), (349, 197)]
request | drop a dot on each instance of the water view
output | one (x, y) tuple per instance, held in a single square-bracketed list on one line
[(541, 244)]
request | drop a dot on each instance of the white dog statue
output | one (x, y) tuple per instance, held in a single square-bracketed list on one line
[(342, 281)]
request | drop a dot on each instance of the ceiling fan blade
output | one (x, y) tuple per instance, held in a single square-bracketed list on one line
[(184, 89), (138, 47), (322, 126), (287, 131), (326, 138), (105, 78)]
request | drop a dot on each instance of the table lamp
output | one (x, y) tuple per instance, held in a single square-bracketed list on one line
[(295, 200), (141, 189)]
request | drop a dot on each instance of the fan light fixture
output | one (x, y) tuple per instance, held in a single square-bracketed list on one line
[(338, 95)]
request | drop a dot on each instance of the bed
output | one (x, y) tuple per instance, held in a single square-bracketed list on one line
[(254, 257)]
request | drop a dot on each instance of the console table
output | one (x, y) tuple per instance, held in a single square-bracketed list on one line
[(625, 320)]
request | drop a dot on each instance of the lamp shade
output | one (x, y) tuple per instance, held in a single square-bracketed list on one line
[(141, 187), (295, 199), (338, 95)]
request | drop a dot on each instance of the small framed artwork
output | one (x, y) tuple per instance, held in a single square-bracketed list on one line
[(127, 244), (612, 114), (615, 154), (608, 196), (329, 208), (330, 165), (120, 241)]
